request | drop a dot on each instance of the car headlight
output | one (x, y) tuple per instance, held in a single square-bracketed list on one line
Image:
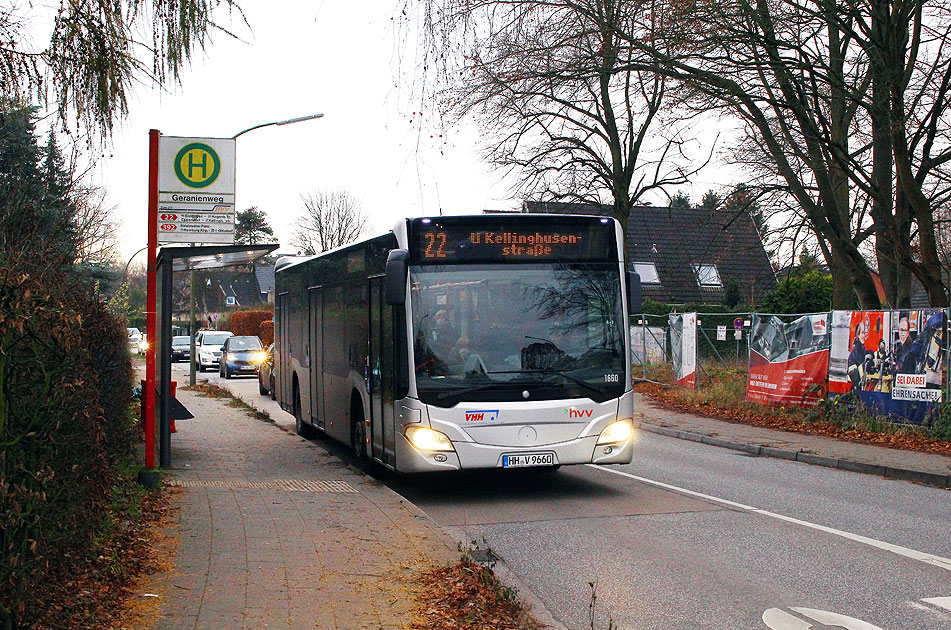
[(426, 439), (232, 356), (257, 357), (616, 432)]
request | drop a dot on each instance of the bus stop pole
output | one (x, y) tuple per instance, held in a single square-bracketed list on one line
[(192, 359), (164, 345), (150, 303)]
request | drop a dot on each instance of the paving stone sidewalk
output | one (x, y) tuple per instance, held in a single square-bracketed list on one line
[(928, 468), (278, 533)]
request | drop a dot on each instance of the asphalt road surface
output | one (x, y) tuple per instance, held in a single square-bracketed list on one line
[(693, 536)]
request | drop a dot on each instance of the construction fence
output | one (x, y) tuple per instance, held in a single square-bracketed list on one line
[(893, 362)]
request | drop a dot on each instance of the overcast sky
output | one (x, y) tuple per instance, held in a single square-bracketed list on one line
[(333, 57)]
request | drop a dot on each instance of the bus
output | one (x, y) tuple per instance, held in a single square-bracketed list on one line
[(463, 342)]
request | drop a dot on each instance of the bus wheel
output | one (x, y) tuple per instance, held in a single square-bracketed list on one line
[(306, 431), (358, 439)]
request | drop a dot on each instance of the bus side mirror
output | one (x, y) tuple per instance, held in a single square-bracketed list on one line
[(635, 298), (394, 286)]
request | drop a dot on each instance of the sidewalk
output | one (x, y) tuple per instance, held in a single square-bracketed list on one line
[(927, 468), (277, 533)]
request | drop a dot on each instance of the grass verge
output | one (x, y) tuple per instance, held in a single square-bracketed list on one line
[(722, 395), (210, 390)]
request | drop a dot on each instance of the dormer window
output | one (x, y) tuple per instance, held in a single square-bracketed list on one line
[(707, 275), (648, 272)]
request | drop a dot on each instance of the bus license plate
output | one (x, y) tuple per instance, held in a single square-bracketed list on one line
[(532, 459)]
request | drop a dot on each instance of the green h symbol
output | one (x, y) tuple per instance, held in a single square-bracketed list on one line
[(192, 164)]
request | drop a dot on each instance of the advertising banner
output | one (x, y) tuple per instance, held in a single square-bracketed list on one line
[(789, 362), (891, 360), (647, 340), (683, 347)]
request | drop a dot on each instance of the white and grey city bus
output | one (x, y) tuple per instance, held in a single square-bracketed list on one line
[(490, 341)]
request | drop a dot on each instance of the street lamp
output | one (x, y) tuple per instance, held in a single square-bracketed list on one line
[(279, 123), (191, 275), (126, 270)]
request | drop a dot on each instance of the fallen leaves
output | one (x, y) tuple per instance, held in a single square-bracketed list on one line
[(467, 596), (98, 591), (793, 420)]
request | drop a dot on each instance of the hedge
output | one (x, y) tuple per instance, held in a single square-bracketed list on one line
[(249, 322), (266, 332), (65, 391)]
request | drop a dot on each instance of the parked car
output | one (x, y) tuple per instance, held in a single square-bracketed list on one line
[(181, 348), (208, 348), (134, 337), (266, 374), (241, 355)]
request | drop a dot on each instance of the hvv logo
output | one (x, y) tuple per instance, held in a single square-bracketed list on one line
[(484, 415), (578, 413)]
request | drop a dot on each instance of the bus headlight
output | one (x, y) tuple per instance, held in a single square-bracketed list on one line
[(426, 439), (616, 432)]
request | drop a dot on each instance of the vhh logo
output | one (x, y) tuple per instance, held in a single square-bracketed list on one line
[(578, 413), (483, 415)]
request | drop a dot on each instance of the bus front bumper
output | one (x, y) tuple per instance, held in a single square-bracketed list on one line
[(472, 455)]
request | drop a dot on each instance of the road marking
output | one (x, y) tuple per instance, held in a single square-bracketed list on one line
[(939, 602), (938, 561), (779, 620)]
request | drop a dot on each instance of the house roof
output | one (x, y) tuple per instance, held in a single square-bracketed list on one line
[(265, 276), (675, 239)]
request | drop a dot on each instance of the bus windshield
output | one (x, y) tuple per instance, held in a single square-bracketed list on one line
[(517, 331)]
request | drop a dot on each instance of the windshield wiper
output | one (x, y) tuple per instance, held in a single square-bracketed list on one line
[(562, 373), (468, 390), (573, 379)]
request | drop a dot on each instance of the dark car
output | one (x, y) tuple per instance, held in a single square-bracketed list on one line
[(266, 374), (241, 355), (181, 348)]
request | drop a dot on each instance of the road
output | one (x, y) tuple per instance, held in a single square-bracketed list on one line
[(694, 536)]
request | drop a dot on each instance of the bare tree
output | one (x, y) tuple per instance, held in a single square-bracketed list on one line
[(331, 219), (840, 102), (95, 226), (553, 87)]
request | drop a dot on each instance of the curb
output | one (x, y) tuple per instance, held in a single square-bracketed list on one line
[(926, 478)]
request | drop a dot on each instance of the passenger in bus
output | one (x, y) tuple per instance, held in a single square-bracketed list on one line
[(442, 332), (460, 351), (443, 336)]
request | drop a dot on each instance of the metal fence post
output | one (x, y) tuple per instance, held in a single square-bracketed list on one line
[(644, 343)]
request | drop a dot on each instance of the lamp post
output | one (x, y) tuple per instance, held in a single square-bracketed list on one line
[(126, 270), (191, 275), (279, 123)]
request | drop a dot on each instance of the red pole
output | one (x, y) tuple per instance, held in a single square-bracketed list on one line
[(150, 303)]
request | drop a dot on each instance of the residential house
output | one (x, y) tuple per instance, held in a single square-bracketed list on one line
[(687, 255)]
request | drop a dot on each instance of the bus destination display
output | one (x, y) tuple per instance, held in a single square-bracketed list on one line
[(444, 242)]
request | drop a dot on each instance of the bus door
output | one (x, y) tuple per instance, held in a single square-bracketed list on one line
[(284, 380), (316, 356), (382, 372)]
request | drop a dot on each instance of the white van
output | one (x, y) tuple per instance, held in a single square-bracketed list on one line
[(208, 348)]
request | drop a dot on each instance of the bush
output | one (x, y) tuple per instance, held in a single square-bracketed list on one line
[(65, 388), (249, 322), (938, 424), (810, 292)]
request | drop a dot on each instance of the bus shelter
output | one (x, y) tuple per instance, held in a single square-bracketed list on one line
[(185, 258)]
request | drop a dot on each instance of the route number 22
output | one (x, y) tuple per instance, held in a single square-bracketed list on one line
[(437, 241)]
